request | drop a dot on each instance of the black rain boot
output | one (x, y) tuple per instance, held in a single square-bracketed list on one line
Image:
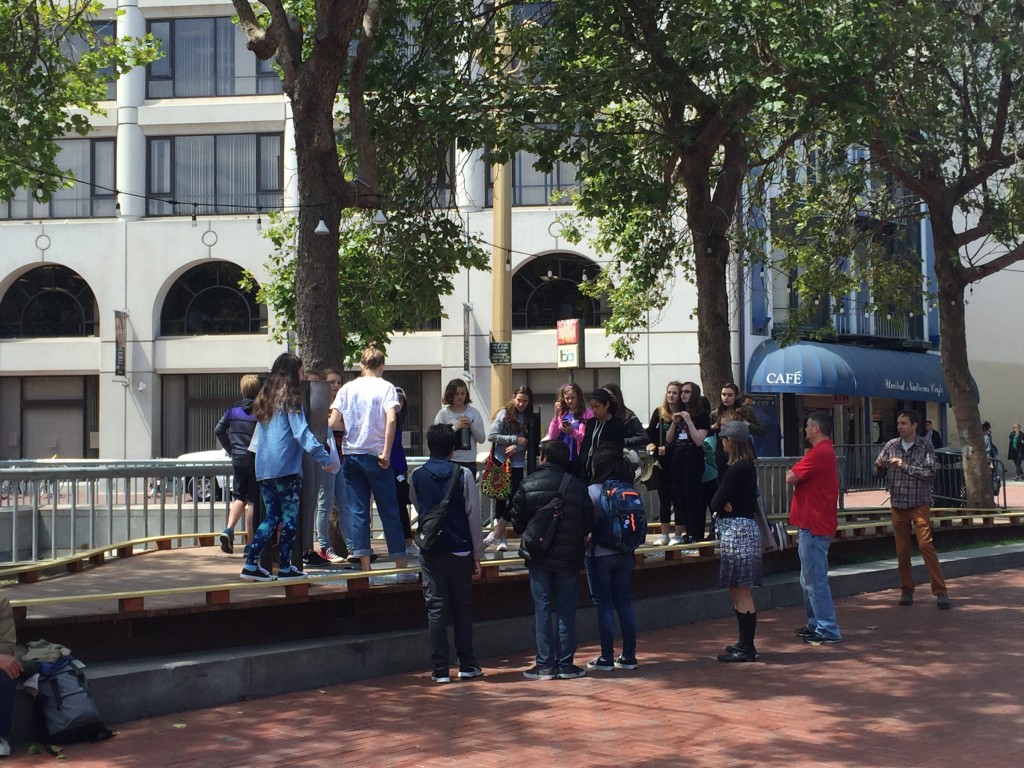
[(744, 650)]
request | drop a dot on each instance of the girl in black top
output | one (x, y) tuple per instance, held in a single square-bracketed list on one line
[(602, 429), (686, 437), (658, 446), (735, 507)]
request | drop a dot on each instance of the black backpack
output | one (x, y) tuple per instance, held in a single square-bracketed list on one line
[(541, 529), (64, 711), (620, 523), (431, 522)]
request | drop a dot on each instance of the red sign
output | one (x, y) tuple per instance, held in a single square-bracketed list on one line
[(568, 331)]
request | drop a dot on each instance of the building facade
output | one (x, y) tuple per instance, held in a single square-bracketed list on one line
[(123, 330)]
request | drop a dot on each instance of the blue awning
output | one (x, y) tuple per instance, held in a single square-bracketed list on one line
[(809, 367)]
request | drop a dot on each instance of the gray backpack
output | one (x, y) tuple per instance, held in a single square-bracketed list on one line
[(65, 712)]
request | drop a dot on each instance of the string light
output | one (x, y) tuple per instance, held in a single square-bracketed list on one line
[(259, 219), (195, 207)]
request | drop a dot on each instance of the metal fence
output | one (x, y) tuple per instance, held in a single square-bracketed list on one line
[(53, 508)]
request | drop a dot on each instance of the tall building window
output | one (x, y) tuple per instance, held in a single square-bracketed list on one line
[(533, 187), (206, 57), (220, 174), (91, 163), (103, 31), (207, 300), (546, 289), (47, 302)]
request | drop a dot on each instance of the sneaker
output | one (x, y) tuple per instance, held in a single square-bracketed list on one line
[(468, 673), (907, 598), (354, 559), (315, 559), (256, 573), (677, 539), (661, 541), (735, 653), (624, 662), (821, 639), (331, 556), (805, 632), (440, 676), (570, 672), (942, 601), (407, 578), (412, 551), (502, 545), (489, 540), (291, 573), (5, 748), (601, 664), (226, 544), (539, 673)]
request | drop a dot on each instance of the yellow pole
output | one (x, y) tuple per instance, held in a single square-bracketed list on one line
[(501, 282)]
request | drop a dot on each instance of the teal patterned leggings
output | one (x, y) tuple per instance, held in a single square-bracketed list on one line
[(281, 499)]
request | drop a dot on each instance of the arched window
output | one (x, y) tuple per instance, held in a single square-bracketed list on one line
[(47, 302), (546, 289), (207, 300)]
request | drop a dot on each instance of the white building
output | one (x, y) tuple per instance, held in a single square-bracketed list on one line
[(208, 125)]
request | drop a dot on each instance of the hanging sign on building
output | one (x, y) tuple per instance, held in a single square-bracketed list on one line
[(120, 345), (570, 346), (500, 353)]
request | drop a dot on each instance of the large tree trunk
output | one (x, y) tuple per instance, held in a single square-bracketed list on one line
[(709, 216), (953, 349), (322, 191)]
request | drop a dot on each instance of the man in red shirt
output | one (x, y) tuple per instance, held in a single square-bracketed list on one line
[(813, 512)]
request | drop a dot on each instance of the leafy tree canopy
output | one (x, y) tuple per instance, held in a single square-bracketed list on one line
[(53, 71)]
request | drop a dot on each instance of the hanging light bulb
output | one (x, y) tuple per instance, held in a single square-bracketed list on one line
[(194, 222), (379, 217), (259, 220), (508, 262)]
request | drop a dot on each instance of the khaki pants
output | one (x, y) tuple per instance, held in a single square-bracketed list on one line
[(920, 518)]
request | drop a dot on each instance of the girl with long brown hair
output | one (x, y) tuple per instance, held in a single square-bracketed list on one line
[(514, 435)]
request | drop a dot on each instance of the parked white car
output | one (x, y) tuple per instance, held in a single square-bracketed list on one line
[(199, 486)]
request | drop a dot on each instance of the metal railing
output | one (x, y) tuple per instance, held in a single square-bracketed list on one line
[(53, 508)]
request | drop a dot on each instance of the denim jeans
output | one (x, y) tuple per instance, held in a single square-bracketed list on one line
[(609, 578), (554, 597), (821, 611), (330, 491), (281, 499), (447, 589), (364, 476)]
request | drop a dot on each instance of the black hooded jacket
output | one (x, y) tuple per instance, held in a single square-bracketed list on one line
[(536, 490)]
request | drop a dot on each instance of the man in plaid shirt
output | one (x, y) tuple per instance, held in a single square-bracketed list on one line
[(910, 462)]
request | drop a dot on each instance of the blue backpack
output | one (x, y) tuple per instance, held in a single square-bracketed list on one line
[(620, 522)]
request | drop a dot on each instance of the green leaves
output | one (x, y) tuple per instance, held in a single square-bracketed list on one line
[(53, 71), (392, 276)]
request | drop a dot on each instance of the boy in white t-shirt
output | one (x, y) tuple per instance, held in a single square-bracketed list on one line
[(366, 408)]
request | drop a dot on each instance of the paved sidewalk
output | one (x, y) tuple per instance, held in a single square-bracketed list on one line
[(909, 687)]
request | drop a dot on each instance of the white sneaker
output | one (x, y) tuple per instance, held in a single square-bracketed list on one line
[(677, 539), (661, 541), (5, 748), (331, 556), (502, 545), (489, 539)]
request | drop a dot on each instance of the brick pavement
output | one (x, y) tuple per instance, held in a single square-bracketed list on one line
[(909, 687)]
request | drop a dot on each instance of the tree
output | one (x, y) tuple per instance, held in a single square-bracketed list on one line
[(54, 68), (941, 115), (379, 94), (666, 107)]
